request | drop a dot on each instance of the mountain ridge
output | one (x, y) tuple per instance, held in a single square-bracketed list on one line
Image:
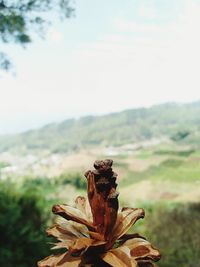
[(113, 129)]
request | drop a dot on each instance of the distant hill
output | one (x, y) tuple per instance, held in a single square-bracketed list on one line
[(172, 120)]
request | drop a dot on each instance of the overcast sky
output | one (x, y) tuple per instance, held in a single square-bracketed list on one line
[(114, 55)]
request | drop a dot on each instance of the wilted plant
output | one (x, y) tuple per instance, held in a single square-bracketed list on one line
[(95, 234)]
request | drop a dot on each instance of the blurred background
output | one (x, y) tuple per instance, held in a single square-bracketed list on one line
[(88, 80)]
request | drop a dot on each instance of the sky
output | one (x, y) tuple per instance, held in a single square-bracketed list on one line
[(113, 55)]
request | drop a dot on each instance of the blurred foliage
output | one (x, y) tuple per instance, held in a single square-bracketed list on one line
[(180, 135), (74, 179), (54, 186), (4, 164), (22, 226), (126, 127), (175, 231), (181, 153), (172, 163), (49, 184), (25, 213), (20, 19)]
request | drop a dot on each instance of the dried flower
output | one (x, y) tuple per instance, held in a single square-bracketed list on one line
[(95, 233)]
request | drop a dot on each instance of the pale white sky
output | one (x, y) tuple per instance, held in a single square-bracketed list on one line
[(114, 55)]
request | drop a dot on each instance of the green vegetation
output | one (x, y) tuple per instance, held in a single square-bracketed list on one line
[(179, 122), (144, 154), (4, 164), (22, 224), (25, 213), (172, 163), (174, 170), (175, 230), (180, 135), (181, 153), (76, 180)]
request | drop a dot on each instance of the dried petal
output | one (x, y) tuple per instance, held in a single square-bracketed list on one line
[(126, 237), (119, 257), (126, 218), (77, 229), (51, 261), (96, 236), (96, 203), (142, 249), (83, 205), (64, 244), (68, 260), (61, 233), (102, 196), (134, 263), (82, 244), (73, 214)]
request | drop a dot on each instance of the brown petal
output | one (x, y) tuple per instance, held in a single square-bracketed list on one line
[(79, 230), (51, 261), (83, 205), (96, 236), (118, 257), (61, 233), (126, 237), (142, 249), (126, 218), (82, 244), (70, 261), (111, 209), (60, 260), (64, 244), (102, 197), (73, 214), (96, 203), (134, 263)]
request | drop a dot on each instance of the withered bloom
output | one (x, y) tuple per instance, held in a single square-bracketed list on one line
[(95, 233)]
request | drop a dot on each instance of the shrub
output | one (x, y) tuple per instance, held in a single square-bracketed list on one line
[(176, 232), (74, 179), (22, 226)]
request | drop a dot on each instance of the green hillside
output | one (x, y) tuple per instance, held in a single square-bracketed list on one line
[(171, 120)]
